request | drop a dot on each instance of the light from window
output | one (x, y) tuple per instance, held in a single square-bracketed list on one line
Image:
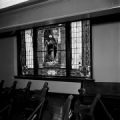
[(29, 48), (76, 38), (81, 49)]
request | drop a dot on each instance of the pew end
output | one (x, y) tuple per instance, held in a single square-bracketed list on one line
[(95, 111)]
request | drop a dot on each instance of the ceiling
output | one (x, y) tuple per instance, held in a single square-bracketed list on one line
[(8, 3)]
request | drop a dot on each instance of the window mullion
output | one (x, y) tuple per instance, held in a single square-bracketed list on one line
[(86, 43), (35, 51), (18, 51), (68, 49)]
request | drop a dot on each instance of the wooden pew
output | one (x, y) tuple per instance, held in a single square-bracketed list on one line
[(1, 85), (7, 94), (21, 97), (6, 101), (26, 110), (27, 88), (63, 112), (36, 97), (7, 90), (38, 111), (5, 112), (9, 98), (95, 111), (99, 111), (23, 92)]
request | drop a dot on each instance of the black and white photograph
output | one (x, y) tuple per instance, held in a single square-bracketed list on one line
[(59, 59)]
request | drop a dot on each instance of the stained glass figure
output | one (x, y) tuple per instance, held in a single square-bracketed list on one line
[(51, 50)]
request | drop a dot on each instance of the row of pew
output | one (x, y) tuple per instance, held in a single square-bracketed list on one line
[(94, 111), (24, 104), (19, 104)]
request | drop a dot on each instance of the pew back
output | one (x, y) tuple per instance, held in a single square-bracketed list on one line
[(97, 110)]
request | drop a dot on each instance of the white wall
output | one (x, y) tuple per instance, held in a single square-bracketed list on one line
[(6, 59), (106, 39)]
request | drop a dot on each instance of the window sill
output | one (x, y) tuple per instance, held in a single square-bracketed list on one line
[(64, 79)]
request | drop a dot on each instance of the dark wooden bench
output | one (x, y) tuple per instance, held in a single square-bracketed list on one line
[(7, 93), (6, 101), (95, 111), (25, 109), (37, 113), (62, 112), (1, 85)]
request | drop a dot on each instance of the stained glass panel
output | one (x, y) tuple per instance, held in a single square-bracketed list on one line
[(47, 57), (76, 38), (80, 38), (51, 50), (29, 48), (26, 54)]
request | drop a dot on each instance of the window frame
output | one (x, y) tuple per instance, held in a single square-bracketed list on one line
[(66, 78)]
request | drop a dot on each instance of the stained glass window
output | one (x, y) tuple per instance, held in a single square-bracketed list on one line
[(76, 38), (26, 53), (29, 48), (44, 52), (80, 37), (51, 50)]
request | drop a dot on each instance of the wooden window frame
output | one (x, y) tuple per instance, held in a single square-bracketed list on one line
[(66, 78)]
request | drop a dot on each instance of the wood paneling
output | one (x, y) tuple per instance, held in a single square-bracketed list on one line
[(104, 88)]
